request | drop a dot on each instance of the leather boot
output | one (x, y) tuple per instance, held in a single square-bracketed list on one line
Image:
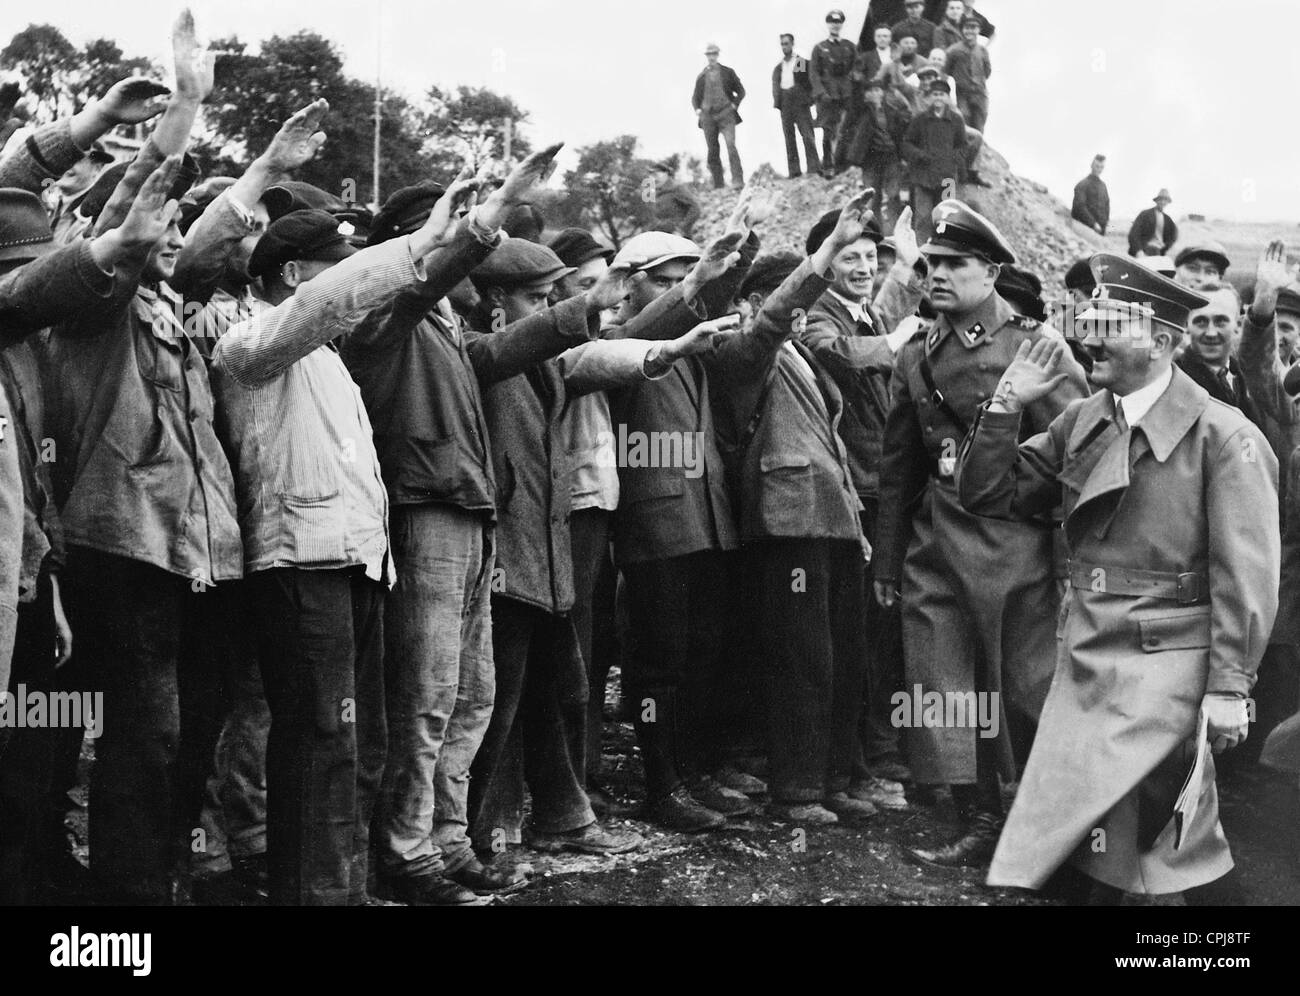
[(972, 849)]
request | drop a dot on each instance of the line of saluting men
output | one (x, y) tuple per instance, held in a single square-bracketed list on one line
[(353, 531)]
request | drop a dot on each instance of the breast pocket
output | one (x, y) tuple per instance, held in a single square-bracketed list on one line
[(160, 355)]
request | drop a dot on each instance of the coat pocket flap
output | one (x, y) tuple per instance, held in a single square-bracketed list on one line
[(1175, 631), (644, 485), (784, 461)]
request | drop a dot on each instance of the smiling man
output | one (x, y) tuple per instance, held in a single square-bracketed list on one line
[(1213, 331), (1172, 591)]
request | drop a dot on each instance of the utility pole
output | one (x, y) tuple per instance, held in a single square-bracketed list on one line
[(379, 104)]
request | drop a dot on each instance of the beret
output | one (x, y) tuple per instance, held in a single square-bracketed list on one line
[(1023, 289), (826, 224), (306, 234), (405, 211), (1079, 276), (297, 195), (769, 271)]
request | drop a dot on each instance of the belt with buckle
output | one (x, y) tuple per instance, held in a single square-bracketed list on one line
[(1187, 588)]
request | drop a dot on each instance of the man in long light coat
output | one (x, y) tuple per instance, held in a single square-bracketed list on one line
[(1170, 505)]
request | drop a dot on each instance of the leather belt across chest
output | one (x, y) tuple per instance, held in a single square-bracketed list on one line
[(1188, 588)]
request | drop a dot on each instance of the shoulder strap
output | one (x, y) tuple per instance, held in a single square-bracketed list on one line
[(927, 376)]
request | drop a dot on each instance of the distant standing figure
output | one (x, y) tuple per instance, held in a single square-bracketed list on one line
[(915, 26), (968, 62), (1091, 198), (1153, 231), (792, 96), (676, 209), (716, 100), (829, 72)]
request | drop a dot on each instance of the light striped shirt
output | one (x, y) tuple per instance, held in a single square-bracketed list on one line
[(307, 477)]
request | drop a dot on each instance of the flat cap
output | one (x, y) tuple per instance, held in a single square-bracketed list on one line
[(1127, 289), (1204, 249), (405, 211), (1022, 289), (516, 262), (960, 230), (769, 271), (650, 249), (1163, 195), (1288, 300), (575, 246), (821, 231), (24, 226), (307, 235), (711, 47), (835, 17), (927, 69)]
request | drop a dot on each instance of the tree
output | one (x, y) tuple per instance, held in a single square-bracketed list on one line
[(469, 125), (58, 78), (254, 94), (611, 188)]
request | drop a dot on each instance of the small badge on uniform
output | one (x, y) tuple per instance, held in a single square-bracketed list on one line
[(933, 338), (947, 466)]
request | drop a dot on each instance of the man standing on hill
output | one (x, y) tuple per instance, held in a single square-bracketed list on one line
[(968, 62), (1091, 198), (716, 100), (828, 72), (792, 96), (1153, 231), (915, 26), (936, 153)]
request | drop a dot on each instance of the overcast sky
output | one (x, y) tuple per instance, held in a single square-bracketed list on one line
[(1202, 101)]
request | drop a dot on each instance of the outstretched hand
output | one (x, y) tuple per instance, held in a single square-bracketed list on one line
[(299, 139), (522, 183), (193, 66), (146, 221), (610, 288), (133, 100), (1271, 275)]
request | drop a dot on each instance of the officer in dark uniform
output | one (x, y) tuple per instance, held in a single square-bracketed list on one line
[(979, 598), (828, 72)]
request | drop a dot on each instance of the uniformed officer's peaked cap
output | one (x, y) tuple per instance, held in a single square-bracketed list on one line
[(835, 17), (961, 231), (821, 231), (1288, 300), (516, 262), (1126, 288)]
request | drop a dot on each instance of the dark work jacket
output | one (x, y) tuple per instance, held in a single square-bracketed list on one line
[(935, 148), (1144, 230), (1091, 202), (421, 378), (860, 361), (731, 86), (801, 93), (663, 512), (530, 455), (870, 145), (1239, 397), (795, 480)]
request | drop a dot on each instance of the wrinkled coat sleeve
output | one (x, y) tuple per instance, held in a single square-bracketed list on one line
[(59, 287), (1000, 480), (46, 155), (844, 356), (1245, 557), (322, 309), (1263, 370), (605, 364), (497, 356), (904, 470), (209, 244), (899, 295)]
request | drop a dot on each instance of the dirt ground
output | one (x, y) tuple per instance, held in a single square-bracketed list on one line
[(760, 860)]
